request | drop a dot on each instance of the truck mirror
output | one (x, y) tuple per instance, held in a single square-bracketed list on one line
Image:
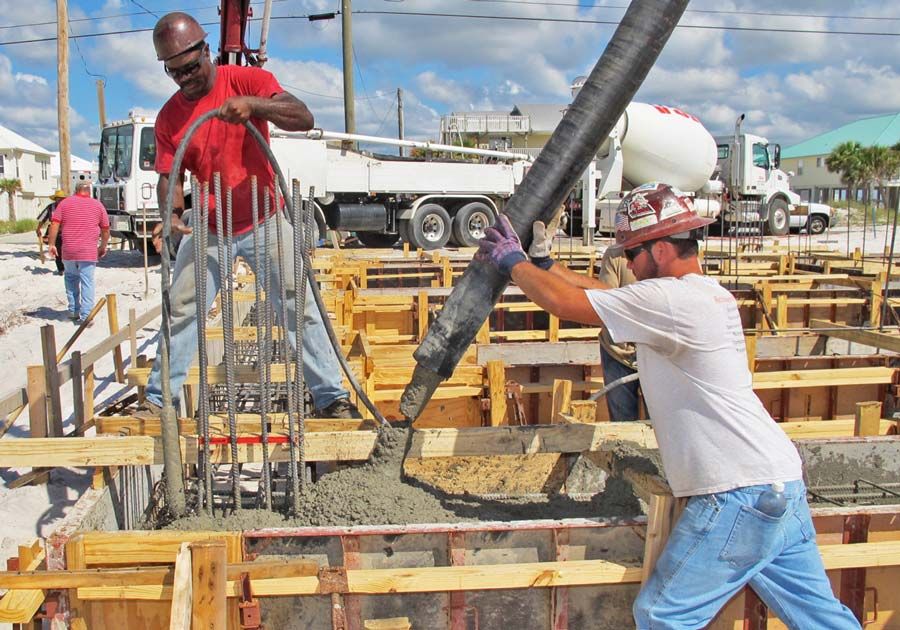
[(776, 158)]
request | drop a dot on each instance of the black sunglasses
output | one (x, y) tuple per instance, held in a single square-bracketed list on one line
[(187, 70), (634, 252)]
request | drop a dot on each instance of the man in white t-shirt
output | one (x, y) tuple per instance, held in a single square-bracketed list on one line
[(747, 519)]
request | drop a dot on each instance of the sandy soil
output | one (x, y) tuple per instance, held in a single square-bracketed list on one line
[(32, 296)]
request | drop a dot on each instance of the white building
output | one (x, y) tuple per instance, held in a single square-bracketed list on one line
[(24, 160), (81, 169)]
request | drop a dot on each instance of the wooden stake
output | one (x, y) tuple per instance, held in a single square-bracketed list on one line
[(112, 314), (868, 419), (562, 399), (208, 580), (182, 593), (496, 372), (51, 380)]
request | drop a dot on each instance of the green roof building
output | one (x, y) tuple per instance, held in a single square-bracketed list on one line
[(806, 160)]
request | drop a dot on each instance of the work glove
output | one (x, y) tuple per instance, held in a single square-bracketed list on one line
[(542, 240), (501, 246)]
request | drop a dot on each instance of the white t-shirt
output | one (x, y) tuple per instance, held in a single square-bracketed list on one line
[(713, 432)]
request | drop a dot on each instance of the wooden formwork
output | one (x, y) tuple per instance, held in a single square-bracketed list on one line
[(570, 573)]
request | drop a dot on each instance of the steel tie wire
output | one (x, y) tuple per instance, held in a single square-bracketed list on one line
[(265, 480), (285, 345)]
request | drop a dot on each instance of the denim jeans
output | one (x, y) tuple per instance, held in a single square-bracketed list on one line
[(320, 365), (623, 402), (79, 279), (721, 543)]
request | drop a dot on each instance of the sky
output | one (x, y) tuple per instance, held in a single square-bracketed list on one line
[(791, 86)]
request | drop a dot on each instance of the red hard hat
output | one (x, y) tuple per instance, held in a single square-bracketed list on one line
[(654, 211), (175, 34)]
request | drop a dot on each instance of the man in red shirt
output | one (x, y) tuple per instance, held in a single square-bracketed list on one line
[(84, 221), (239, 94)]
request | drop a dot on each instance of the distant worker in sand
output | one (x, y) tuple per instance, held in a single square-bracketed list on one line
[(43, 221), (85, 222), (224, 145), (746, 520)]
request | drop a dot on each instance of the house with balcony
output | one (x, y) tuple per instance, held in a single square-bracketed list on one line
[(28, 162)]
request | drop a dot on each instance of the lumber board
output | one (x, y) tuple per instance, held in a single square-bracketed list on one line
[(515, 440), (858, 335), (485, 577), (20, 605), (412, 580), (246, 422), (827, 377), (147, 576)]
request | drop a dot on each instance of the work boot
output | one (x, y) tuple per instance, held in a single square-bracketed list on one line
[(147, 411), (341, 408)]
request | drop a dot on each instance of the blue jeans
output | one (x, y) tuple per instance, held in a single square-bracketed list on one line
[(623, 402), (79, 279), (320, 365), (722, 543)]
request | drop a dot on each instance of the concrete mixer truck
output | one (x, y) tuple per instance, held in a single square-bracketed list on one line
[(735, 178)]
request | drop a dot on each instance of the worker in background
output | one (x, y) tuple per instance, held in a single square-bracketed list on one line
[(616, 359), (43, 219), (85, 222), (224, 145), (746, 520)]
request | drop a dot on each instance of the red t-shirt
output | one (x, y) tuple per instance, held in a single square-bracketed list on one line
[(82, 218), (218, 145)]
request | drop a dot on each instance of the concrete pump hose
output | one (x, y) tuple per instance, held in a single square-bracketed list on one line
[(285, 193), (628, 378), (631, 52)]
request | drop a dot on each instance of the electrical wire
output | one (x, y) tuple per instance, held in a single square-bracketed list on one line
[(518, 18), (510, 18)]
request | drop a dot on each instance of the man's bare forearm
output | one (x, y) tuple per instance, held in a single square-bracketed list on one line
[(285, 111), (578, 279), (554, 293)]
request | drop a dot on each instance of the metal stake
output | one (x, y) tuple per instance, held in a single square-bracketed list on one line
[(291, 410), (265, 479)]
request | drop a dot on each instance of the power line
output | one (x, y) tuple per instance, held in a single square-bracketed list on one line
[(146, 10), (510, 18), (709, 11), (515, 18)]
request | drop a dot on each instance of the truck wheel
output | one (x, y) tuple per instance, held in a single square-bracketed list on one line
[(817, 224), (778, 222), (377, 239), (470, 223), (430, 227)]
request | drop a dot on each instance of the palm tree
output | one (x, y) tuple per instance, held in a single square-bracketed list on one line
[(846, 160), (11, 187)]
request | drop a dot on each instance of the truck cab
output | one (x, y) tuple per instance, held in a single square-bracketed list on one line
[(759, 191), (126, 179)]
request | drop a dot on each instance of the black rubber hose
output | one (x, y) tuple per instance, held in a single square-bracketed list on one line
[(628, 57), (320, 304)]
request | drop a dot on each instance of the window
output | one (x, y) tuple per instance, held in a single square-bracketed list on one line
[(147, 155), (820, 162), (723, 151), (2, 165), (799, 167), (115, 151), (44, 168), (760, 156)]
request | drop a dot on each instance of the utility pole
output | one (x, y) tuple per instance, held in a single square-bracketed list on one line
[(62, 95), (347, 35), (101, 104), (400, 117)]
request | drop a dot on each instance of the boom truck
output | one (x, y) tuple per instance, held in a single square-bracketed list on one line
[(734, 178), (426, 202)]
